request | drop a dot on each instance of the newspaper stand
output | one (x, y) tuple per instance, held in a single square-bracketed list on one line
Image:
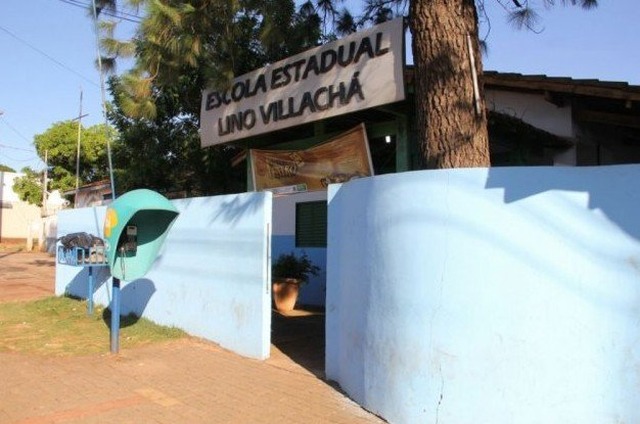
[(91, 257)]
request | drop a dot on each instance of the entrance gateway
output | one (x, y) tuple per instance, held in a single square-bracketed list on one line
[(328, 115)]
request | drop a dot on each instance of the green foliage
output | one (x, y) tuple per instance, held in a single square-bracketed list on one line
[(5, 168), (60, 143), (208, 42), (164, 153), (289, 265), (29, 187)]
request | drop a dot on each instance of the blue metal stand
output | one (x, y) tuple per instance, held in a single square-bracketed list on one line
[(90, 294), (82, 257), (115, 315)]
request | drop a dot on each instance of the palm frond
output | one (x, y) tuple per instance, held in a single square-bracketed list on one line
[(525, 17)]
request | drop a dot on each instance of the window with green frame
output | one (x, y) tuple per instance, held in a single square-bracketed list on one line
[(311, 224)]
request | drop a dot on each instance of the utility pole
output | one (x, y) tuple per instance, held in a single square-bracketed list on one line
[(75, 200), (45, 183)]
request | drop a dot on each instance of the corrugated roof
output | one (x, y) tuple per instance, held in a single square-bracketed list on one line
[(588, 87), (541, 83)]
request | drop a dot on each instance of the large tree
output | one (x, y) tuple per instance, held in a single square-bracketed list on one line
[(450, 113), (163, 152), (59, 145)]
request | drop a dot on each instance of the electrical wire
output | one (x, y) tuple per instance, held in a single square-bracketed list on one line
[(11, 158), (12, 128), (4, 146), (119, 14), (48, 56)]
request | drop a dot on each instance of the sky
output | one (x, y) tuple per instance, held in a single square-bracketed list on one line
[(48, 54)]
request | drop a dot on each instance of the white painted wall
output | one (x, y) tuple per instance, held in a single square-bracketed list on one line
[(16, 216), (284, 210), (503, 295), (532, 109), (212, 277)]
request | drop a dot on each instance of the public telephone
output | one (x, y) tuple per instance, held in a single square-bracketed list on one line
[(135, 226), (129, 241)]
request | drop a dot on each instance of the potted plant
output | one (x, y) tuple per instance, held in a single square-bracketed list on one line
[(288, 273)]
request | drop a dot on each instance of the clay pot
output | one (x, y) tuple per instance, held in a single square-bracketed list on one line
[(285, 293)]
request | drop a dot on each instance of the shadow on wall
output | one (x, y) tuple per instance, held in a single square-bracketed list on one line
[(79, 286), (233, 211), (592, 219), (618, 201), (134, 298)]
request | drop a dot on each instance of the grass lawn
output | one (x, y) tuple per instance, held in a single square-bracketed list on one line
[(60, 326)]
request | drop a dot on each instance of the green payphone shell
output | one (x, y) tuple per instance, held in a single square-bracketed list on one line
[(135, 227)]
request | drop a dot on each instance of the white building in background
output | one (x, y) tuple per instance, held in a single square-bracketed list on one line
[(22, 222), (17, 217)]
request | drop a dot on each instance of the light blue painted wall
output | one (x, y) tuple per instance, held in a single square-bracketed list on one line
[(503, 295), (212, 277)]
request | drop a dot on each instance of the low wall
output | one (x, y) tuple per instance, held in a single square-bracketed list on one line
[(503, 295), (211, 278)]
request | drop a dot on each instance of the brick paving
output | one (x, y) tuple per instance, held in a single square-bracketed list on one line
[(183, 381)]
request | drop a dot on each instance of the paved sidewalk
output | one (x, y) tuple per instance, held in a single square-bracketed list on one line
[(185, 381)]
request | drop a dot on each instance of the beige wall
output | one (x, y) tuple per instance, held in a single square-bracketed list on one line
[(17, 218)]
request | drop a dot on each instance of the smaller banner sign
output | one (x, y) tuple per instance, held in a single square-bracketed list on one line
[(340, 159)]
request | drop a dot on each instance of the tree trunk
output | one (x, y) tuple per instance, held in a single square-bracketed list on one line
[(451, 124)]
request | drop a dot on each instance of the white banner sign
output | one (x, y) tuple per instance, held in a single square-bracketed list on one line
[(357, 72)]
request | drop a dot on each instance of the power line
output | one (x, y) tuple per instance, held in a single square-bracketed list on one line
[(29, 159), (4, 146), (54, 60), (119, 14), (2, 118)]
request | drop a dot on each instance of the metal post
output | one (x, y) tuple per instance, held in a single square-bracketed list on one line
[(103, 96), (115, 315), (45, 182), (75, 200), (90, 296)]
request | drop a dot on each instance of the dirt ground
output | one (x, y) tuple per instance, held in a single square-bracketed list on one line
[(25, 276)]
